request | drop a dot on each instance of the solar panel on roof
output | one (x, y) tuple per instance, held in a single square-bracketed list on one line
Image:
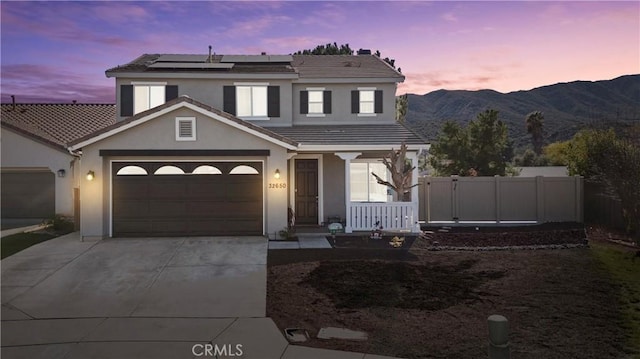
[(190, 65), (257, 58), (182, 58)]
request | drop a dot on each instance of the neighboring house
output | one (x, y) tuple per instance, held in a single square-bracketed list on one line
[(223, 145), (37, 168)]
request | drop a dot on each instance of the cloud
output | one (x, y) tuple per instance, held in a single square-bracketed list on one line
[(21, 21), (330, 15), (293, 43), (121, 13), (40, 83), (450, 17), (255, 26)]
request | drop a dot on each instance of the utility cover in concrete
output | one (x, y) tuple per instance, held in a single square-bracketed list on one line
[(296, 334), (341, 333)]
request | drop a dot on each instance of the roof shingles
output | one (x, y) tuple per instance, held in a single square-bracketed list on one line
[(306, 66), (57, 124)]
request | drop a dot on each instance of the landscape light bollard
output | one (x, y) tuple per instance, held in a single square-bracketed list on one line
[(498, 337)]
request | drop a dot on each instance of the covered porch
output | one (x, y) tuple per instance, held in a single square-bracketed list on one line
[(330, 180)]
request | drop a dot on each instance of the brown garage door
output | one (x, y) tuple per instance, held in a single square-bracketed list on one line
[(187, 198), (28, 194)]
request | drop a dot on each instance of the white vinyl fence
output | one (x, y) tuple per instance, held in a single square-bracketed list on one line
[(501, 199), (363, 216)]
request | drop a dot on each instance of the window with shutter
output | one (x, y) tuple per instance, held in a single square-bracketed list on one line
[(315, 102), (366, 101), (142, 96), (185, 128), (252, 101)]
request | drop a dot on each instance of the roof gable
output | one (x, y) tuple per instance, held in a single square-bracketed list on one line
[(181, 102)]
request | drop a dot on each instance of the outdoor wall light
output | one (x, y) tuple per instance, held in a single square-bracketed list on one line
[(277, 174), (91, 175), (62, 173)]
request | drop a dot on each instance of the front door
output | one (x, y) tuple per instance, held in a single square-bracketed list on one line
[(306, 191)]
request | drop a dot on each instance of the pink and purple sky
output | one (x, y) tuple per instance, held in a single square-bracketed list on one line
[(58, 51)]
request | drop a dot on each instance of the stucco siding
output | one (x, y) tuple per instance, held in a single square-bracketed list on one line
[(209, 91), (19, 151), (159, 134), (341, 105)]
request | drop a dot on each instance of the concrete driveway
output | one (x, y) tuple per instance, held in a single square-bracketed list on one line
[(143, 298), (65, 298)]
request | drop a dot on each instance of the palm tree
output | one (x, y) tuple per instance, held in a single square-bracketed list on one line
[(535, 127)]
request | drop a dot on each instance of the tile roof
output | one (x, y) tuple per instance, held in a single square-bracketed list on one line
[(354, 66), (178, 100), (373, 134), (305, 66), (57, 124)]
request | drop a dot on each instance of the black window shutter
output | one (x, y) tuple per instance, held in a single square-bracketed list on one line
[(304, 102), (170, 92), (126, 100), (229, 99), (326, 102), (273, 101), (355, 101), (377, 105)]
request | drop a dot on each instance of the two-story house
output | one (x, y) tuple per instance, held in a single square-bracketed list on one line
[(230, 144)]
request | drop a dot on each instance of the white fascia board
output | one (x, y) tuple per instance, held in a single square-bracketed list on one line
[(349, 148), (172, 108), (122, 128), (350, 80), (198, 75)]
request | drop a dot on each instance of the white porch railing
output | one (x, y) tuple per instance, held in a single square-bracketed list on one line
[(362, 216)]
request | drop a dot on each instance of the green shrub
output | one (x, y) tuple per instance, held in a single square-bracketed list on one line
[(61, 224)]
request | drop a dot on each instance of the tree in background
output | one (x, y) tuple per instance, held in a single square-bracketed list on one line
[(328, 49), (480, 149), (602, 157), (534, 123), (402, 103)]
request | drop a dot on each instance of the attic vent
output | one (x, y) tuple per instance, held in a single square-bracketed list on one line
[(185, 128)]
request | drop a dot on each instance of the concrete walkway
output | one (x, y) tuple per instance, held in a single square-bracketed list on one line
[(143, 298), (305, 241)]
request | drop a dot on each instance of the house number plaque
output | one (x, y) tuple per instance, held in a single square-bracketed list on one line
[(277, 185)]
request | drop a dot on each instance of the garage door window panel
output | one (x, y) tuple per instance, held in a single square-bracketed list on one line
[(207, 170), (244, 170), (169, 170), (132, 171)]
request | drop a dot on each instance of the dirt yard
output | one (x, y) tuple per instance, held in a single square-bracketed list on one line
[(424, 304)]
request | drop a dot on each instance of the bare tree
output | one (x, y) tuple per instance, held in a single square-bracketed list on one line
[(401, 172)]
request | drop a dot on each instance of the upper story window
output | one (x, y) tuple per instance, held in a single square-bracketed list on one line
[(253, 101), (366, 101), (147, 96), (315, 102), (141, 96)]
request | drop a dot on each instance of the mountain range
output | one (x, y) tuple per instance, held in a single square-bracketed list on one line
[(567, 108)]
